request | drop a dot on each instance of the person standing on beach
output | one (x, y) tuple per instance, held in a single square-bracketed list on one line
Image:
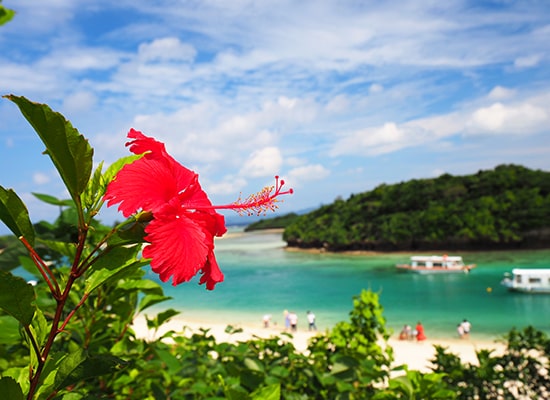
[(293, 319), (420, 332), (466, 326), (460, 331), (311, 321), (287, 320), (266, 319)]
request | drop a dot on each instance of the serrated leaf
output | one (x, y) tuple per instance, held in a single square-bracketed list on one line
[(17, 298), (15, 215), (10, 389), (68, 149), (95, 189)]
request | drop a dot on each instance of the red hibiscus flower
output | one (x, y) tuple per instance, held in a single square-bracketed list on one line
[(181, 233)]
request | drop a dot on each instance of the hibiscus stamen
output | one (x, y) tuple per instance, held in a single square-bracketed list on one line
[(261, 202)]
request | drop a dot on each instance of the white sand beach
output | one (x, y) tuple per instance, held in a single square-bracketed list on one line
[(416, 355)]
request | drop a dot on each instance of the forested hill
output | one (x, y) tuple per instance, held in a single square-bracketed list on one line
[(504, 208)]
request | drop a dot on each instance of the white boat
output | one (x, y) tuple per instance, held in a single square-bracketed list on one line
[(528, 280), (436, 264)]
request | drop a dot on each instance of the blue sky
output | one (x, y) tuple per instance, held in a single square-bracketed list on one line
[(337, 97)]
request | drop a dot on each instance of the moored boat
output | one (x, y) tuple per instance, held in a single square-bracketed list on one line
[(529, 280), (436, 264)]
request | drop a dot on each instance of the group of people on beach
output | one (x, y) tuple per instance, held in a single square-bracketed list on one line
[(291, 321), (463, 329), (407, 333)]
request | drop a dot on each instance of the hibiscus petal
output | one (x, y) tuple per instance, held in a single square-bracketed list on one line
[(150, 182), (180, 245), (143, 144), (211, 273)]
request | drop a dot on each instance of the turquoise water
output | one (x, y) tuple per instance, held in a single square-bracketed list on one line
[(262, 277)]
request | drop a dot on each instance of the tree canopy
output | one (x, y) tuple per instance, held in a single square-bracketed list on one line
[(508, 207)]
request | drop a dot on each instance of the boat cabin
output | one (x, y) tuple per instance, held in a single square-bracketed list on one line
[(528, 280)]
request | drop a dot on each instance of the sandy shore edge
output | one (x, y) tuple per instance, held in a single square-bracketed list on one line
[(416, 355)]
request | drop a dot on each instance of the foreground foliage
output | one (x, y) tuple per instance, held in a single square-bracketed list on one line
[(504, 208)]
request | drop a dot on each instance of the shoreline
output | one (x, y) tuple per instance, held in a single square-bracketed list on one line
[(416, 355)]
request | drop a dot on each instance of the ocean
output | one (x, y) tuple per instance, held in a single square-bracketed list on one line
[(262, 277)]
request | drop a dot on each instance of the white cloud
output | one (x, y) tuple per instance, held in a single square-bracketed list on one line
[(41, 178), (374, 140), (79, 102), (263, 162), (306, 173), (376, 88), (500, 93), (498, 118), (166, 49), (528, 61), (230, 185)]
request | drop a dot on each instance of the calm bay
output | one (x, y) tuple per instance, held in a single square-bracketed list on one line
[(262, 277)]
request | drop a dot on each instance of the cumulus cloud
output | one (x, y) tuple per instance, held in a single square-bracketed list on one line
[(500, 93), (374, 140), (498, 118), (231, 185), (263, 162)]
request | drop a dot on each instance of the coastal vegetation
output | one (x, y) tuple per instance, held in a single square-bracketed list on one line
[(504, 208), (279, 222)]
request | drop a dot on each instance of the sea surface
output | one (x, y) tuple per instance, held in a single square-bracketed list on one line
[(262, 277)]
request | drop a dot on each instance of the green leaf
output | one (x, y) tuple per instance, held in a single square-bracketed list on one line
[(69, 150), (15, 215), (161, 318), (17, 297), (46, 198), (112, 265), (63, 248), (271, 392), (150, 300), (78, 366), (10, 389), (39, 329), (95, 189), (113, 169), (9, 330), (253, 364), (11, 253), (5, 15)]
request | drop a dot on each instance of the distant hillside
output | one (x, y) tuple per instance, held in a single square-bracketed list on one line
[(504, 208), (272, 223)]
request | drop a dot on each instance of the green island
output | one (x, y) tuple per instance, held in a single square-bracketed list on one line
[(504, 208)]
